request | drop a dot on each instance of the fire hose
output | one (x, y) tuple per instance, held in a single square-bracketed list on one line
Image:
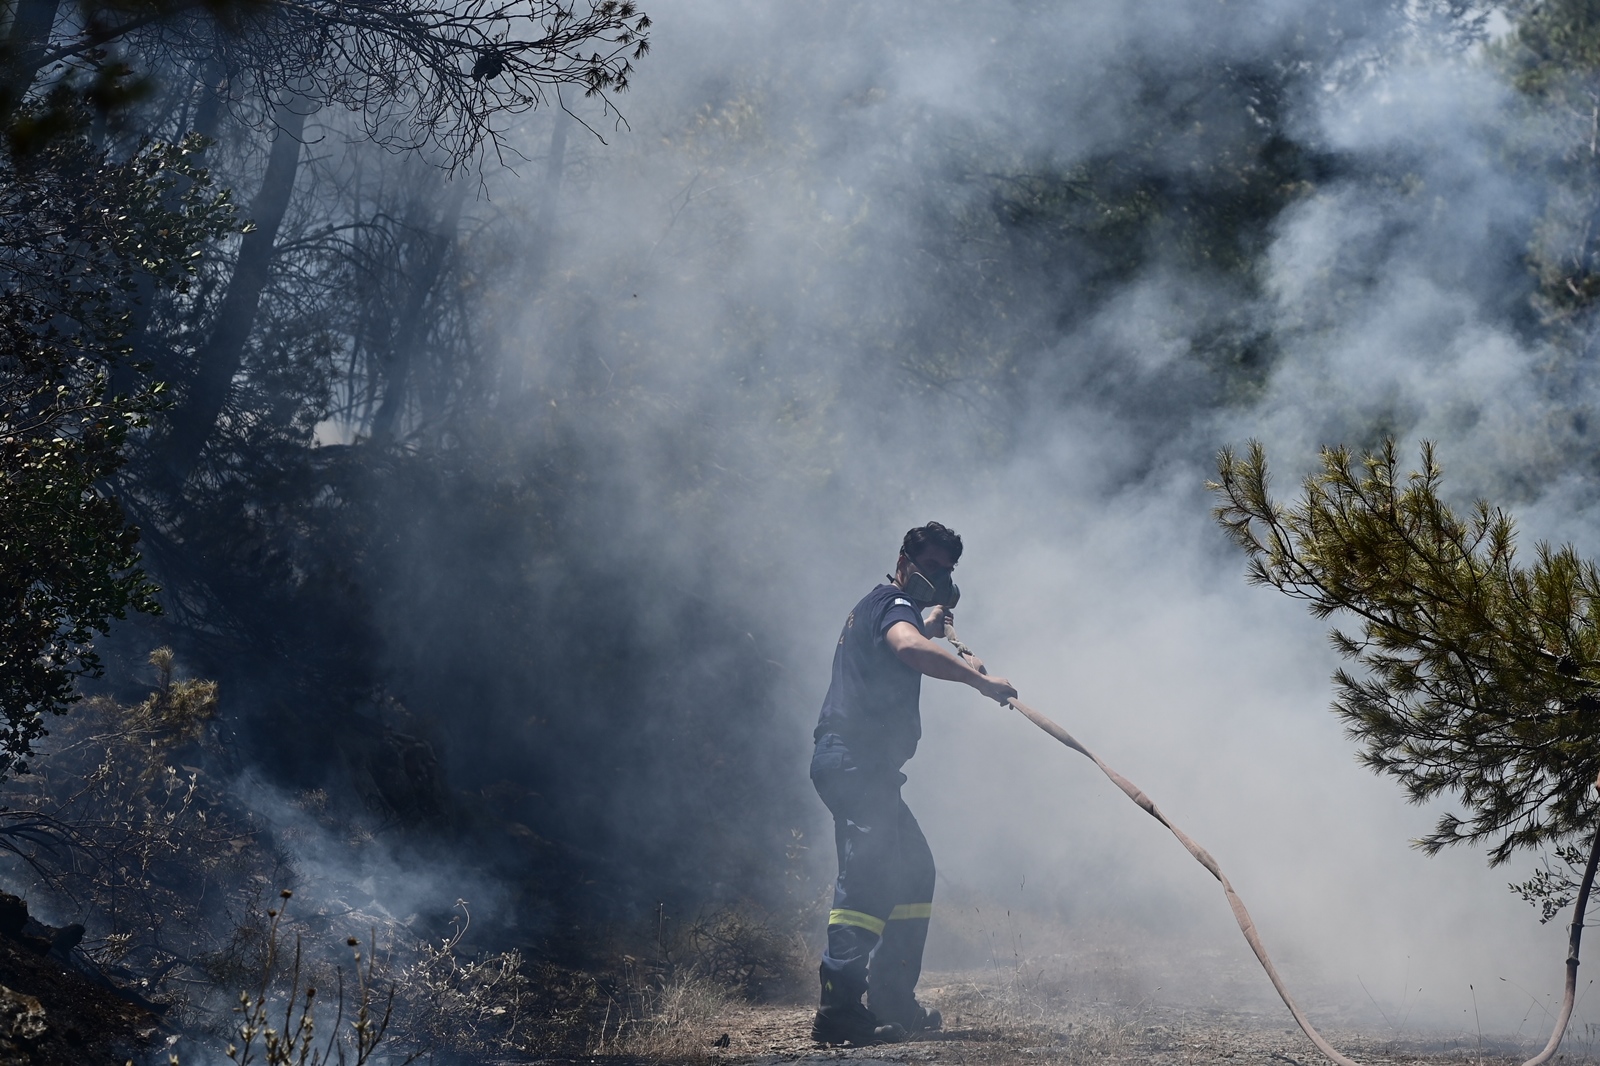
[(1248, 927)]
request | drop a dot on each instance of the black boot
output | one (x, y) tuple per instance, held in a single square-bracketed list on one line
[(914, 1019), (852, 1024), (899, 1006), (842, 1019)]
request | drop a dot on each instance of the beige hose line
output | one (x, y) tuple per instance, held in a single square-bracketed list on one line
[(1248, 927)]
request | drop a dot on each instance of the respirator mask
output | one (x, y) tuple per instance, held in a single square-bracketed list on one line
[(941, 591)]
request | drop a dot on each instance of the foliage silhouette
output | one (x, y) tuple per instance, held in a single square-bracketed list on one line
[(80, 233)]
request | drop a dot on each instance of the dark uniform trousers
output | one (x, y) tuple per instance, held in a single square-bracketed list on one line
[(884, 895)]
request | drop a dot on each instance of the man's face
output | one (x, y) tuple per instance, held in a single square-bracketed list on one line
[(932, 562)]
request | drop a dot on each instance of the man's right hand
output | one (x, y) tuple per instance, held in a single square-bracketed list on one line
[(996, 688)]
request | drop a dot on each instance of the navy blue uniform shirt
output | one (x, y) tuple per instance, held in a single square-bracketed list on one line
[(871, 706)]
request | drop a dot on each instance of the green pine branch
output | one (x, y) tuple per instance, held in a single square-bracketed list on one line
[(1478, 676)]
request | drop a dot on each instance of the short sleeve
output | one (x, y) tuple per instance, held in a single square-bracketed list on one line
[(897, 609)]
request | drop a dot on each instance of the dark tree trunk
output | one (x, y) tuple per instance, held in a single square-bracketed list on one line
[(555, 167), (25, 45), (412, 328), (213, 87), (219, 358)]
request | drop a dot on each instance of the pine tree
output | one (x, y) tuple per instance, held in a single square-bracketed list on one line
[(1478, 674)]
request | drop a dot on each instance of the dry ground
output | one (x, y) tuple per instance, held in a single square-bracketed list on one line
[(988, 1023)]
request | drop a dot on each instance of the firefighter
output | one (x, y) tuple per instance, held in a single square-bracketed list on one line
[(869, 727)]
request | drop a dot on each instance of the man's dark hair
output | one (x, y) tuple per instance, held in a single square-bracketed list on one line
[(935, 534)]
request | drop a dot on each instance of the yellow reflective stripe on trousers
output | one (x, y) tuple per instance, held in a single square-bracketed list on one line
[(856, 918), (911, 910)]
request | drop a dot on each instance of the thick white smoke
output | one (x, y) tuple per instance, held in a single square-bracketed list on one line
[(748, 268)]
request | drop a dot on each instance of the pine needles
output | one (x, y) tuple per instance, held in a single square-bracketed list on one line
[(1478, 675)]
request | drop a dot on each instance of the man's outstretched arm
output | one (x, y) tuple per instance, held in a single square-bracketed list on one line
[(924, 656)]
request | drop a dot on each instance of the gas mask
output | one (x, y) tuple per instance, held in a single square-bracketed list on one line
[(925, 590)]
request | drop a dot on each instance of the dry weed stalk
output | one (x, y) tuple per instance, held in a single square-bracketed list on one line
[(465, 1005), (294, 1042)]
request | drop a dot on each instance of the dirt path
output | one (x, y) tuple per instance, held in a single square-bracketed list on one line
[(986, 1026)]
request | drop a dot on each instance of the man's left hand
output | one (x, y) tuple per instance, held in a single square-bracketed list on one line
[(933, 626)]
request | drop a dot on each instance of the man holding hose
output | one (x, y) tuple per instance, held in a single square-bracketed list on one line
[(869, 727)]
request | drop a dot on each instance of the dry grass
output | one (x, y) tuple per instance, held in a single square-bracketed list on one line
[(664, 1002), (674, 1022)]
